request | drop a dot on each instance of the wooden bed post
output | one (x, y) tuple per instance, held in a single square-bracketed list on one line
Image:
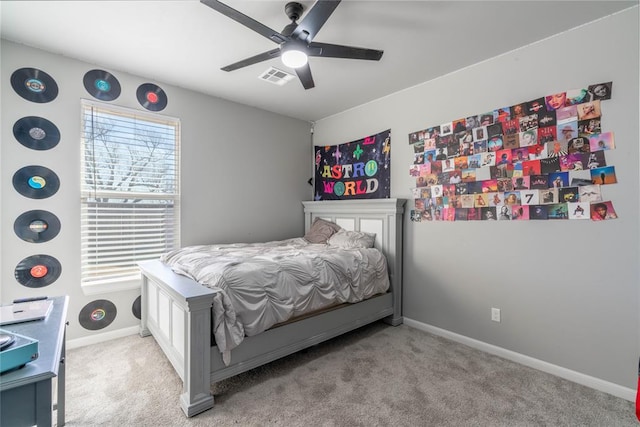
[(144, 307), (395, 239), (196, 396)]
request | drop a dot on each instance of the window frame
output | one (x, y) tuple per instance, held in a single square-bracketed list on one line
[(93, 284)]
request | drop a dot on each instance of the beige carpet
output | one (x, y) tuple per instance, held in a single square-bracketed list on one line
[(376, 376)]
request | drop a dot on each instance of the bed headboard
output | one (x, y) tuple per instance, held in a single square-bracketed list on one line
[(380, 216)]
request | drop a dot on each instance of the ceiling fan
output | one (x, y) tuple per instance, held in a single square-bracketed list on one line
[(296, 39)]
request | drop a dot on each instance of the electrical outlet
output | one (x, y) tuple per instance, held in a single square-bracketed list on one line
[(495, 314)]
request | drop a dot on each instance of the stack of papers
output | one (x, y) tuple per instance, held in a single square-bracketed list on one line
[(25, 311)]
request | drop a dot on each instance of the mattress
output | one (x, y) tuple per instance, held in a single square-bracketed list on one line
[(261, 284)]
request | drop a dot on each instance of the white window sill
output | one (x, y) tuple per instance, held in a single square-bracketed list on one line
[(107, 287)]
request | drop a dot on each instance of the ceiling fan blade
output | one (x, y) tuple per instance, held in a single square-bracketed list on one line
[(274, 53), (314, 20), (304, 74), (348, 52), (248, 22)]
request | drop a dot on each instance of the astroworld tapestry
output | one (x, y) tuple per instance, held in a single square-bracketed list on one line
[(355, 170)]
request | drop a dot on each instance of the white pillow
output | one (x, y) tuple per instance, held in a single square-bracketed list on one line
[(352, 239)]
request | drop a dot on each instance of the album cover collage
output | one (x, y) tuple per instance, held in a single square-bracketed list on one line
[(544, 159), (38, 182)]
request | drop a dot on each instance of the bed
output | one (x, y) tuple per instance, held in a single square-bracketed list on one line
[(178, 311)]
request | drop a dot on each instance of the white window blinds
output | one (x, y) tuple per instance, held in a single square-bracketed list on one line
[(130, 190)]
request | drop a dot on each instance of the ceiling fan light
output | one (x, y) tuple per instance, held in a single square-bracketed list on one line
[(294, 58)]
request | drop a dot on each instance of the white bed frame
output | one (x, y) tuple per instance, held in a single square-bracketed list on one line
[(177, 311)]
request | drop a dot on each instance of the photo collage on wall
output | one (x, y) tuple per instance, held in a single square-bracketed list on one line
[(538, 160)]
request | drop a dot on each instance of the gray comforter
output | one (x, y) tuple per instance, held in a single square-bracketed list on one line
[(261, 284)]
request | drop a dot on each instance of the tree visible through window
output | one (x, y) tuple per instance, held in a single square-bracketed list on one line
[(130, 191)]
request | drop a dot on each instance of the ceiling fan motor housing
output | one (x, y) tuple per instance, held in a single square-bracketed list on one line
[(293, 10)]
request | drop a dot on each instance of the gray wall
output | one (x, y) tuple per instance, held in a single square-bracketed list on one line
[(244, 174), (568, 290)]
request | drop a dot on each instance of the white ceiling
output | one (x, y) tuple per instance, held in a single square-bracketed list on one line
[(185, 43)]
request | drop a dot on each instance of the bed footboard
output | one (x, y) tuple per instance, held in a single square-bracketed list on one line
[(177, 312)]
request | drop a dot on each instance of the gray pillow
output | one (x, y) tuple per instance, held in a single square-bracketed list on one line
[(321, 230)]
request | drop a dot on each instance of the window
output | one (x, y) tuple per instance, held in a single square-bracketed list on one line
[(130, 195)]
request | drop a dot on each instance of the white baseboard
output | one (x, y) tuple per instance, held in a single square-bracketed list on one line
[(106, 336), (576, 377)]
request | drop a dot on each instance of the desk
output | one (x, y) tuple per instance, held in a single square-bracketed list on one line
[(26, 396)]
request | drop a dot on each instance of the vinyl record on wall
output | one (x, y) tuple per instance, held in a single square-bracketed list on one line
[(36, 182), (151, 97), (36, 133), (97, 314), (136, 308), (38, 271), (34, 85), (102, 85), (37, 226)]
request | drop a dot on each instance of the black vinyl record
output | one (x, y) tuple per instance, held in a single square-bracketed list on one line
[(97, 314), (36, 133), (136, 308), (37, 226), (6, 340), (36, 182), (38, 271), (102, 85), (34, 85), (151, 97)]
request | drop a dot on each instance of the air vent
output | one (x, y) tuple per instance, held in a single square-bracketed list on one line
[(275, 76)]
